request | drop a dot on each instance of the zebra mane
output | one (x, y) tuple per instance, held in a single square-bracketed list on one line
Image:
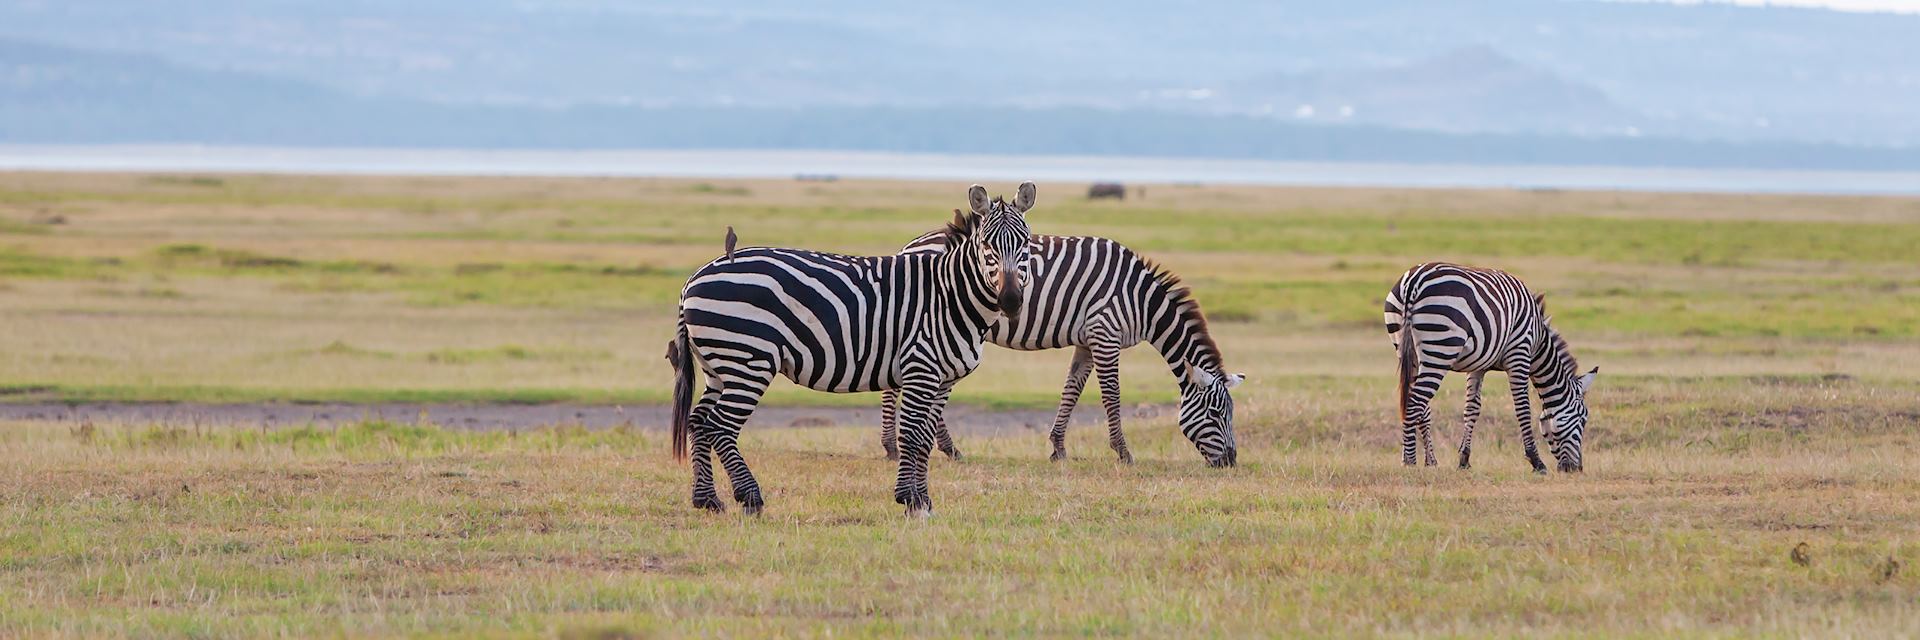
[(1181, 297), (1557, 348), (959, 228), (1561, 350)]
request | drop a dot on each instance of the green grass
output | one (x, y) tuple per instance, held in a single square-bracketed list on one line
[(467, 287)]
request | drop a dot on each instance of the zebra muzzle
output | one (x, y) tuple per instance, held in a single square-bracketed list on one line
[(1010, 294), (1228, 458)]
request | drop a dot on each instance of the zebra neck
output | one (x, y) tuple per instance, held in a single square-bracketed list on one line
[(967, 289), (1555, 372), (1179, 332)]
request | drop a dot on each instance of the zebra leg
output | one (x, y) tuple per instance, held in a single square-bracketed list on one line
[(1519, 375), (703, 438), (1070, 398), (940, 434), (1425, 433), (1471, 416), (740, 396), (889, 415), (1106, 363), (1418, 415), (917, 412)]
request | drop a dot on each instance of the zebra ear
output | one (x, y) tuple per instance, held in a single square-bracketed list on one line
[(1587, 380), (977, 199), (1540, 300), (1024, 199), (1234, 379)]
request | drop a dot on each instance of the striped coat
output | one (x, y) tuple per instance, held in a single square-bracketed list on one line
[(1098, 297), (1446, 317), (912, 324)]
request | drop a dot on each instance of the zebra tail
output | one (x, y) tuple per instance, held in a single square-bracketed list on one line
[(1409, 359), (681, 354)]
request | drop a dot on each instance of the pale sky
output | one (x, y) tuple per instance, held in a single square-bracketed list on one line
[(1902, 6)]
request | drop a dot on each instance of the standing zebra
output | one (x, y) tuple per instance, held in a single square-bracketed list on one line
[(1445, 317), (912, 324), (1099, 297)]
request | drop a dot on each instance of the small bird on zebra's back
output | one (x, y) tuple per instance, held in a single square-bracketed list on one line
[(1446, 317)]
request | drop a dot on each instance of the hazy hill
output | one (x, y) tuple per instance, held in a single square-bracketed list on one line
[(1566, 78)]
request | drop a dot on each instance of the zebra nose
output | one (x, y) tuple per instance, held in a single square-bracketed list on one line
[(1227, 458), (1010, 293)]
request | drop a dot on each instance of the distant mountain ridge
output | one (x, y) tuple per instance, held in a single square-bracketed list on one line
[(59, 96), (1473, 88), (1500, 80)]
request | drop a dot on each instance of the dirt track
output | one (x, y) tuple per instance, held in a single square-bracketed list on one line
[(960, 418)]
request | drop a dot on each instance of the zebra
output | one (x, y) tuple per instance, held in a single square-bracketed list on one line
[(1445, 317), (836, 323), (1099, 297)]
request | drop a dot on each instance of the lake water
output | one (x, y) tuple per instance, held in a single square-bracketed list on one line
[(926, 166)]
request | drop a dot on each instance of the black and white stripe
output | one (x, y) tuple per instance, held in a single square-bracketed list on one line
[(912, 323), (1445, 317), (1099, 297)]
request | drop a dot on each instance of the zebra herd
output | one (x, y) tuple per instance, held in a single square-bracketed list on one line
[(911, 325)]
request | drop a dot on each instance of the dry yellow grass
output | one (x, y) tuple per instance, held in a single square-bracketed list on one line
[(133, 531)]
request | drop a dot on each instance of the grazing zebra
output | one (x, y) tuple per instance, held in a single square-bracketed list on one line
[(1445, 317), (836, 323), (1099, 297)]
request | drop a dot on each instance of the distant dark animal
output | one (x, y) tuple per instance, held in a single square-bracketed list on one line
[(1098, 297), (1113, 190), (731, 240), (1446, 317), (1801, 555), (843, 324)]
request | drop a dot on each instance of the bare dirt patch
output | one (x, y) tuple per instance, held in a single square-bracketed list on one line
[(960, 418)]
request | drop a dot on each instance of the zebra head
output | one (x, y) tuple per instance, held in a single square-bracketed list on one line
[(1570, 424), (1000, 234), (1206, 414)]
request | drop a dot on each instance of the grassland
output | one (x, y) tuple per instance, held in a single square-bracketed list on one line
[(1757, 392)]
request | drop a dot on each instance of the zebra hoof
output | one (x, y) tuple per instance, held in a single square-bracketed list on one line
[(751, 503), (1126, 457), (1059, 455), (952, 453), (1539, 471), (918, 504), (709, 503)]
